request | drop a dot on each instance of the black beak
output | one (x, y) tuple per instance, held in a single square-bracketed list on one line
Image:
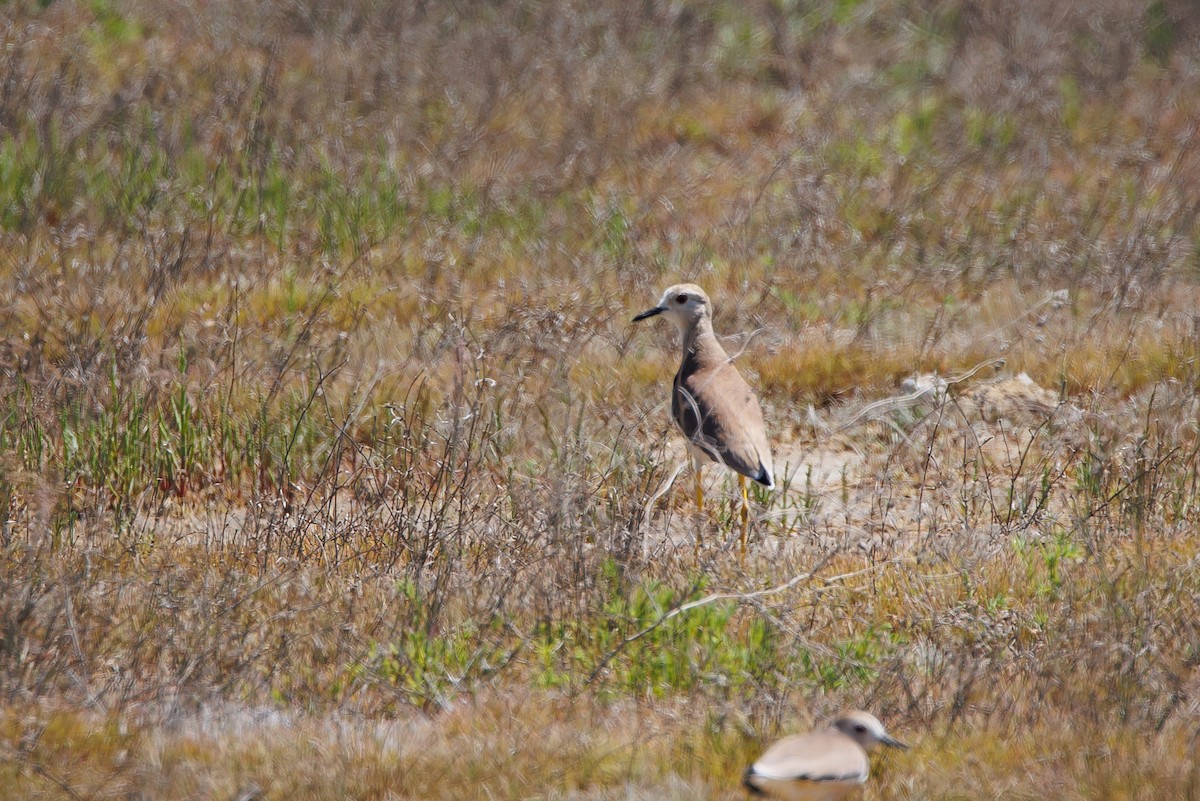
[(650, 313), (893, 742)]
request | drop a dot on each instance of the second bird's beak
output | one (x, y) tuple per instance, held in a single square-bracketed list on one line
[(650, 313)]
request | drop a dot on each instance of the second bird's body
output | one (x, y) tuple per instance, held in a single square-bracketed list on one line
[(823, 765)]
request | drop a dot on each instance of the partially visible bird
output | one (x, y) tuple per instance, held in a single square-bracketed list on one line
[(824, 765), (711, 402)]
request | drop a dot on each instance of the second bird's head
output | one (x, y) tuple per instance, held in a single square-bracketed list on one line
[(866, 730), (685, 304)]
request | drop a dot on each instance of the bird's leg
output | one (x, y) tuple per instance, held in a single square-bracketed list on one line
[(699, 497), (745, 512)]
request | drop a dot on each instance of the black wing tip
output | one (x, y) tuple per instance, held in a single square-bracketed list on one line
[(749, 785), (761, 476), (765, 478)]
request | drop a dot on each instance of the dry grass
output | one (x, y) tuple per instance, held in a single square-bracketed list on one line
[(331, 467)]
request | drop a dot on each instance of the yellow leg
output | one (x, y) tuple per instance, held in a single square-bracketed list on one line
[(745, 511)]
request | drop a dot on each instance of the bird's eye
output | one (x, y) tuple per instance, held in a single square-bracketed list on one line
[(861, 729), (681, 298)]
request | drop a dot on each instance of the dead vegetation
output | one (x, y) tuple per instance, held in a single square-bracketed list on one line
[(330, 466)]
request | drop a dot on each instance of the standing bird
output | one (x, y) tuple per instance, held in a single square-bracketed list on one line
[(822, 765), (713, 405)]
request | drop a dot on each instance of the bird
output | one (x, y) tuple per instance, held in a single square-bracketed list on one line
[(824, 765), (712, 404)]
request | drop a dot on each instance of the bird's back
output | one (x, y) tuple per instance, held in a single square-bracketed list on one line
[(820, 766), (719, 413)]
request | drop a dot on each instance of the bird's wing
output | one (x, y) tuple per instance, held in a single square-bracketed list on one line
[(815, 757), (719, 413)]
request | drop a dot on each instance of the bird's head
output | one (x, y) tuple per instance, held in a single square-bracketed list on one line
[(866, 730), (685, 304)]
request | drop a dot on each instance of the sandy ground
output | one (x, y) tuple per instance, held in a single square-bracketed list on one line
[(887, 474)]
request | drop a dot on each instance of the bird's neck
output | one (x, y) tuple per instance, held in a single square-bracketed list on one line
[(700, 343)]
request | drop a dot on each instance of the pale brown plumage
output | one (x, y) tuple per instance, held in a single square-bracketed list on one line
[(717, 411), (824, 765), (711, 402)]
